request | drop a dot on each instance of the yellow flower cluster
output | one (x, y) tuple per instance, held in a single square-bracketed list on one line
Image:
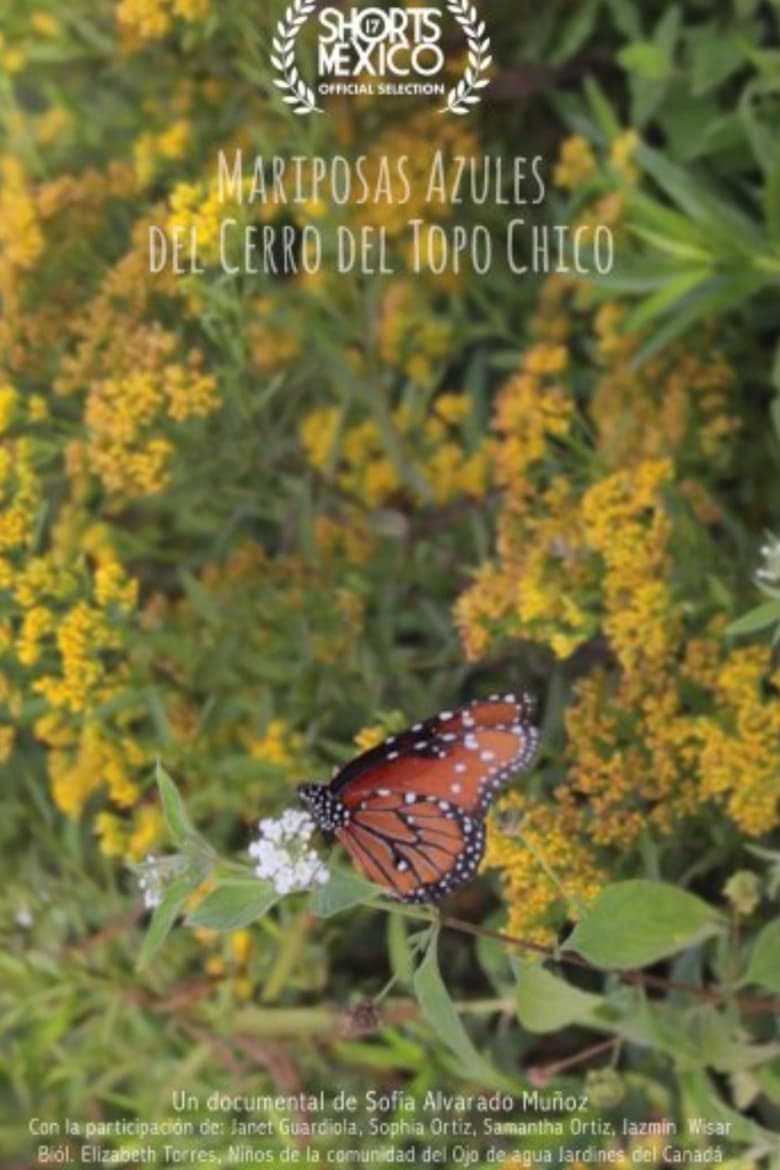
[(621, 155), (277, 745), (532, 410), (597, 509), (737, 762), (576, 164), (87, 758), (82, 635), (430, 461), (67, 644), (547, 875), (9, 402), (150, 20), (21, 237), (411, 338), (155, 148), (130, 839), (544, 567), (561, 543), (196, 214), (624, 520), (20, 498), (677, 406), (638, 753), (123, 414)]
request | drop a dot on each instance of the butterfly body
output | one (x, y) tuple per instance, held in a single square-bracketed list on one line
[(410, 812)]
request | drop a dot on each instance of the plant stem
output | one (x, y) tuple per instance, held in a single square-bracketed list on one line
[(293, 941), (559, 1066), (750, 1005)]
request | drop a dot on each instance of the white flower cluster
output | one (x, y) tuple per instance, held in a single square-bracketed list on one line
[(283, 855), (153, 876), (769, 573)]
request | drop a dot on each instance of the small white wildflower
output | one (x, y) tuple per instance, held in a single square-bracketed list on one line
[(769, 572), (154, 875), (23, 918), (282, 854)]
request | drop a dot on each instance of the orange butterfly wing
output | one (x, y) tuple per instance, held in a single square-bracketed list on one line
[(415, 805)]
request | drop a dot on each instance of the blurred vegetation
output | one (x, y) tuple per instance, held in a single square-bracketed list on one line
[(248, 525)]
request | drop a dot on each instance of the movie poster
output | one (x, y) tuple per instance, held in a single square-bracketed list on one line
[(389, 584)]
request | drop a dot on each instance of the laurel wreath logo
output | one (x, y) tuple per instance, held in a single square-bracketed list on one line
[(300, 96), (462, 98)]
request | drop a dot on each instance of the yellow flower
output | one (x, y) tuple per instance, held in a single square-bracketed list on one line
[(114, 587), (369, 737), (9, 401), (621, 154), (576, 165), (547, 875), (21, 237), (197, 212), (153, 148), (192, 10), (111, 833), (13, 59), (44, 23), (318, 433), (36, 624), (6, 743), (240, 943), (147, 829), (148, 19), (37, 408), (277, 745)]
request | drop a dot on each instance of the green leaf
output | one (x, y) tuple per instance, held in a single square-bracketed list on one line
[(646, 59), (776, 373), (165, 915), (234, 904), (646, 98), (399, 951), (635, 923), (666, 298), (711, 299), (626, 18), (700, 202), (714, 57), (755, 109), (759, 618), (764, 966), (667, 31), (701, 1099), (576, 30), (202, 599), (179, 825), (441, 1014), (343, 891), (649, 214), (546, 1003), (602, 110)]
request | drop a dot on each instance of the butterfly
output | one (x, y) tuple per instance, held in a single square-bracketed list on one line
[(411, 811)]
